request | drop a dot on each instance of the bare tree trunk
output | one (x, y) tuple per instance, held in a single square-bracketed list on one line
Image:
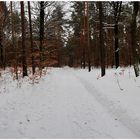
[(134, 46), (24, 64), (1, 33), (84, 41), (42, 14), (81, 50), (13, 39), (117, 10), (116, 45), (1, 46), (88, 39), (31, 37), (101, 42)]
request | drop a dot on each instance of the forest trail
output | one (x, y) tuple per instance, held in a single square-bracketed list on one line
[(116, 111), (62, 105)]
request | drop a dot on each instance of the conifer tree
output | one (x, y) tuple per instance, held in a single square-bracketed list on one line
[(102, 49), (24, 63)]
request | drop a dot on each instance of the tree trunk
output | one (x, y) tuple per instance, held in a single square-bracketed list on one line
[(116, 45), (134, 46), (42, 14), (117, 10), (13, 40), (1, 46), (101, 42), (1, 33), (24, 64), (88, 41), (31, 37), (84, 41)]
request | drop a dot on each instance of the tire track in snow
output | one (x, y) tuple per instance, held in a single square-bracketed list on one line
[(104, 126), (120, 114), (78, 120)]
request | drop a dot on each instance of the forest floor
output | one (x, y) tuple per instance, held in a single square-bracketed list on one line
[(71, 103)]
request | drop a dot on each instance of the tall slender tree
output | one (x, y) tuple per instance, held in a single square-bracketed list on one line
[(3, 15), (88, 39), (58, 21), (1, 32), (42, 15), (87, 33), (78, 25), (101, 43), (31, 37), (24, 63), (117, 10), (13, 40), (83, 28)]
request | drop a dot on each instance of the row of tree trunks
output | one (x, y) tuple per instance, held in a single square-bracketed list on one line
[(134, 46), (24, 62)]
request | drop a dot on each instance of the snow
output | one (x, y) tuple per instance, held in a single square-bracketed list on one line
[(71, 103)]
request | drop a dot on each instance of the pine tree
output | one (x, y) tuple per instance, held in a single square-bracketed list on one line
[(31, 37), (57, 22), (87, 33), (77, 24), (42, 15), (102, 49), (117, 10), (3, 16), (24, 63), (14, 40)]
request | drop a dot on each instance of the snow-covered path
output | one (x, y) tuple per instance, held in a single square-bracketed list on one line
[(63, 105)]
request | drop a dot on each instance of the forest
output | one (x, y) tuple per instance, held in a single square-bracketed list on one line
[(76, 34), (69, 69)]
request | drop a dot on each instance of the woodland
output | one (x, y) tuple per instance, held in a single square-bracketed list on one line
[(69, 69), (76, 34)]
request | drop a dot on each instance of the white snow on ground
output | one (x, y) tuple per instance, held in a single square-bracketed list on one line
[(71, 103)]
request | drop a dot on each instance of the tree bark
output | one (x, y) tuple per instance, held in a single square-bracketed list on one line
[(116, 45), (134, 46), (1, 33), (42, 14), (88, 40), (87, 36), (1, 47), (31, 37), (101, 42), (24, 64), (117, 10), (13, 39)]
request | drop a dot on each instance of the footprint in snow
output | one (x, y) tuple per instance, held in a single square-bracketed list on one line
[(28, 120), (85, 123)]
